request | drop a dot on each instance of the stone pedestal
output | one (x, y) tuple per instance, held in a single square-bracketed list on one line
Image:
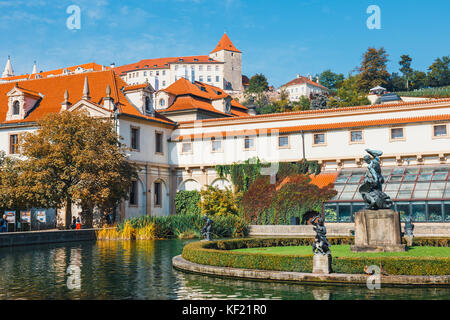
[(322, 263), (377, 231)]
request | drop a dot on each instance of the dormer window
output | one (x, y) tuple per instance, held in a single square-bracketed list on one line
[(162, 102), (148, 104), (16, 108)]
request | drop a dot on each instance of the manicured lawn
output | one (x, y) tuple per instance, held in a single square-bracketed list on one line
[(344, 251)]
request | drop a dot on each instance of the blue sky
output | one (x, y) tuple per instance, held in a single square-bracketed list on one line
[(278, 38)]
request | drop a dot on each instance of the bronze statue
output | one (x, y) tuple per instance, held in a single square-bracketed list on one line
[(206, 230), (321, 244), (372, 188)]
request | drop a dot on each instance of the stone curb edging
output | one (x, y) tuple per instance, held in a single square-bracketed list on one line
[(181, 264)]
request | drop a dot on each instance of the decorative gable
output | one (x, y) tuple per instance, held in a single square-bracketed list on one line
[(20, 102), (141, 96)]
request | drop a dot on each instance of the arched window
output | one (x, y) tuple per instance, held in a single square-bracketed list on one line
[(16, 108), (148, 104)]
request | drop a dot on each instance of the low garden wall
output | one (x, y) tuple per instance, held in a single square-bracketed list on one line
[(421, 229), (220, 254), (43, 237)]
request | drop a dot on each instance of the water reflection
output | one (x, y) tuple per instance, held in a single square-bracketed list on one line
[(143, 270)]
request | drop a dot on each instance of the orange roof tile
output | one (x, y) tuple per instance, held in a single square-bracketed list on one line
[(136, 86), (92, 66), (225, 44), (163, 63), (183, 87), (323, 179), (192, 103), (333, 110), (53, 88), (318, 127)]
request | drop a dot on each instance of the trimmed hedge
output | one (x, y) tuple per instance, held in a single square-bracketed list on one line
[(429, 241), (218, 253)]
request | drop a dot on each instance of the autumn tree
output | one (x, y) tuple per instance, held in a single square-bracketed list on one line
[(71, 159), (373, 70)]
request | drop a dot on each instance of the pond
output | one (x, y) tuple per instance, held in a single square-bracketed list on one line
[(143, 270)]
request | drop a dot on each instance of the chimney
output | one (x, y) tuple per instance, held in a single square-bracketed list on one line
[(65, 105), (108, 102), (310, 77), (298, 75), (317, 79), (113, 65), (251, 107)]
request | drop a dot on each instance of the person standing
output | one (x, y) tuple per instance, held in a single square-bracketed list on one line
[(78, 226), (74, 223), (3, 224)]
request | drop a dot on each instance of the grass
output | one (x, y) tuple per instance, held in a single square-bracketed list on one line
[(344, 251)]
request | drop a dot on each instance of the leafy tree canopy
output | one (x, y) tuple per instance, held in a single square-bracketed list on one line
[(71, 158), (257, 84), (373, 70), (330, 79)]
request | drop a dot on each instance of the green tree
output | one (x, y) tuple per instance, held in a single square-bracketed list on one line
[(405, 63), (418, 80), (302, 104), (330, 79), (72, 159), (373, 70), (396, 83), (257, 84), (187, 202), (348, 94), (439, 72)]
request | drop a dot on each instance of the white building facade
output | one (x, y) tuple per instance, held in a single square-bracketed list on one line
[(302, 87)]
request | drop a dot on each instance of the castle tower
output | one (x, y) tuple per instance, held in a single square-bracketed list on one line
[(9, 72), (226, 52)]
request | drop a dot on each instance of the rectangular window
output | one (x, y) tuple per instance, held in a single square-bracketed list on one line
[(216, 145), (356, 136), (164, 72), (200, 78), (397, 134), (186, 147), (217, 79), (319, 138), (200, 68), (249, 143), (135, 138), (434, 211), (158, 194), (159, 142), (13, 144), (440, 130), (134, 193), (283, 142), (209, 79)]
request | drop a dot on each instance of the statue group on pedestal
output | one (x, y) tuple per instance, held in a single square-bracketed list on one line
[(321, 244), (372, 188)]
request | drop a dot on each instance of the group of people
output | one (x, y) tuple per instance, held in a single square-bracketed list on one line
[(76, 223)]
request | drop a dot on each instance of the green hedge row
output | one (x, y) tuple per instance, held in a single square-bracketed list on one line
[(430, 241), (218, 253)]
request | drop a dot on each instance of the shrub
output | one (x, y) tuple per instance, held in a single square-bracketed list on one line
[(150, 227), (187, 202), (217, 202), (218, 253)]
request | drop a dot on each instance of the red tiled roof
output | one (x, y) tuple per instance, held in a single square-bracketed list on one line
[(53, 88), (201, 95), (135, 86), (225, 44), (319, 127), (323, 179), (162, 63), (335, 110), (192, 103), (302, 80), (92, 66)]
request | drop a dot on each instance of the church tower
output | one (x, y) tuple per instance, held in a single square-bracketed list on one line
[(226, 52), (9, 72)]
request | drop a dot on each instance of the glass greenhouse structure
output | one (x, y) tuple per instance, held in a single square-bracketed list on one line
[(422, 191)]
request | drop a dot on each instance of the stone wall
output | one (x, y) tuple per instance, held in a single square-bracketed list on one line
[(421, 229), (42, 237)]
